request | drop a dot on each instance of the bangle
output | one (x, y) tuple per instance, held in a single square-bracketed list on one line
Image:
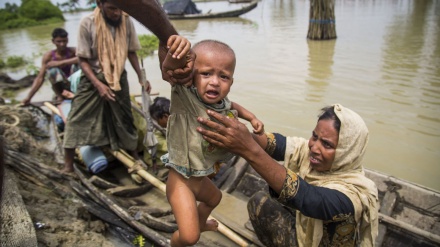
[(271, 143)]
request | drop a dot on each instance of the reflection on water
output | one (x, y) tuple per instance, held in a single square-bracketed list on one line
[(384, 65), (320, 67)]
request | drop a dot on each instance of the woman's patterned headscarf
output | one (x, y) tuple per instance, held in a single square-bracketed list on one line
[(347, 176)]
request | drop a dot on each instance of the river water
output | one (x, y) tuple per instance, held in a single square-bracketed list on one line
[(385, 65)]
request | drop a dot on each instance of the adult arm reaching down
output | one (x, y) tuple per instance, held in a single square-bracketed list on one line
[(150, 14)]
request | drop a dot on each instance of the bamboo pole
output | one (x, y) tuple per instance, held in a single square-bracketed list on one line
[(128, 162), (53, 108)]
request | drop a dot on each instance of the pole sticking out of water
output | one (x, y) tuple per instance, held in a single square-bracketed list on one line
[(322, 24)]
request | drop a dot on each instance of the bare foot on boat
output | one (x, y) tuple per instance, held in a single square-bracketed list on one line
[(211, 225)]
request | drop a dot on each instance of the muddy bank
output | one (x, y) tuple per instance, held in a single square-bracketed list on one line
[(7, 82), (57, 214)]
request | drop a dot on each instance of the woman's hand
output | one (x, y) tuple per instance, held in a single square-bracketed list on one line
[(230, 134), (234, 136)]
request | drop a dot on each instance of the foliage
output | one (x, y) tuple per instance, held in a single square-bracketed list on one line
[(18, 22), (2, 64), (39, 10), (8, 93), (30, 13), (6, 15), (15, 61), (149, 44), (69, 5), (31, 69), (139, 241), (12, 8)]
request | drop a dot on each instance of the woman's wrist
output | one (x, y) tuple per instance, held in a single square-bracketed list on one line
[(271, 143)]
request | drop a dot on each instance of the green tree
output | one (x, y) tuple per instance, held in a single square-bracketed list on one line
[(11, 8), (39, 10), (30, 13), (69, 5), (149, 43)]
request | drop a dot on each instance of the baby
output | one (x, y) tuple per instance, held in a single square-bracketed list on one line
[(190, 157)]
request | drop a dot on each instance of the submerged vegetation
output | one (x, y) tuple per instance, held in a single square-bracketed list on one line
[(149, 44), (13, 62), (29, 13)]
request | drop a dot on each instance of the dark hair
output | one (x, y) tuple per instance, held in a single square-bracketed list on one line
[(328, 112), (160, 107), (59, 32), (214, 44)]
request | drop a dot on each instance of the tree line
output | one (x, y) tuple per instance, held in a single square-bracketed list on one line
[(34, 12)]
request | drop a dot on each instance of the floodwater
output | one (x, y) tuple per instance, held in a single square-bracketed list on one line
[(385, 65)]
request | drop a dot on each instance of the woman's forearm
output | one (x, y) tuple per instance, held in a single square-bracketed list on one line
[(268, 168)]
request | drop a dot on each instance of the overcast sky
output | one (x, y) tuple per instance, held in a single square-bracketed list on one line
[(18, 2)]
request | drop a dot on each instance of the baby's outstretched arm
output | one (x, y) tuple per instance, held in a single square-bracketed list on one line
[(178, 46), (243, 113), (176, 57)]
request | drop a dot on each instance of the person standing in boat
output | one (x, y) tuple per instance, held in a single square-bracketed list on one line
[(190, 158), (320, 197), (58, 64), (101, 110)]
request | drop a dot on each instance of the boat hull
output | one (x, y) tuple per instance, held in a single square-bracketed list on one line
[(225, 14)]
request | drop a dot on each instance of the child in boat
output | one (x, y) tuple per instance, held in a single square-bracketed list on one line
[(190, 157), (58, 64), (159, 112)]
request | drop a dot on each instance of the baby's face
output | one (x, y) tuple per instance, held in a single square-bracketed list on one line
[(213, 75)]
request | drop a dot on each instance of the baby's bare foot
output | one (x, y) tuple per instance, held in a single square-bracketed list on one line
[(211, 225)]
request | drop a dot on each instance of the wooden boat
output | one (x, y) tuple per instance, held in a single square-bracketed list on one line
[(239, 1), (231, 13), (409, 213), (408, 216)]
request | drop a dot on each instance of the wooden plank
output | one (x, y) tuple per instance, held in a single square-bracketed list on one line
[(410, 228), (386, 208), (128, 161), (146, 231), (233, 212)]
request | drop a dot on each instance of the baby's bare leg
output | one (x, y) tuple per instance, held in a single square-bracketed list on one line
[(209, 197), (183, 204)]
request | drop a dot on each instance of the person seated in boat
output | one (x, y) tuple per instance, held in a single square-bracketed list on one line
[(191, 159), (65, 105), (58, 65), (159, 112), (101, 111), (320, 196)]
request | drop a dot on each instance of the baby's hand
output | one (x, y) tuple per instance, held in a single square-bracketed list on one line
[(178, 46), (258, 126)]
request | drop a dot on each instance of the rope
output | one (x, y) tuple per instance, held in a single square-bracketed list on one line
[(21, 127), (322, 21)]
